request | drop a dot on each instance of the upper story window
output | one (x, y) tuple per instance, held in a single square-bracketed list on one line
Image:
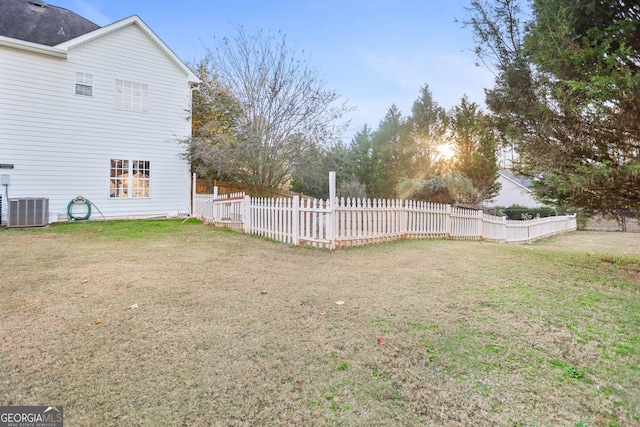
[(131, 96), (84, 84)]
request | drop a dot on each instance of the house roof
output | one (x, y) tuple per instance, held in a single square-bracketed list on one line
[(124, 23), (39, 27), (525, 183), (38, 22)]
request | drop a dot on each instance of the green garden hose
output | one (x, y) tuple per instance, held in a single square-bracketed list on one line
[(79, 201)]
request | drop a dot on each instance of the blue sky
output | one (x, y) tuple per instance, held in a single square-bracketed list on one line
[(373, 52)]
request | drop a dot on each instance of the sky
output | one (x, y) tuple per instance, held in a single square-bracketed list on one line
[(374, 53)]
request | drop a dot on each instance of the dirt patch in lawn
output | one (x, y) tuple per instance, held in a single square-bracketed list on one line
[(195, 326)]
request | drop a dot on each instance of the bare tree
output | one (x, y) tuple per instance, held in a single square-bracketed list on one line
[(283, 111)]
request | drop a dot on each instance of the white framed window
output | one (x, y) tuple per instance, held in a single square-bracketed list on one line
[(84, 84), (129, 179), (140, 178), (131, 96)]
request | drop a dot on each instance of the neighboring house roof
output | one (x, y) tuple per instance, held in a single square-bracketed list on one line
[(37, 22), (519, 181)]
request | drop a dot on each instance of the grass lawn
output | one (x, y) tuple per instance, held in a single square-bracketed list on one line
[(232, 330)]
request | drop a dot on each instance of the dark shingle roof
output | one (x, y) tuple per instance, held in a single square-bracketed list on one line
[(37, 22)]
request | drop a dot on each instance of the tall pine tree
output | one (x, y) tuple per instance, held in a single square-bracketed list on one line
[(567, 96), (475, 148)]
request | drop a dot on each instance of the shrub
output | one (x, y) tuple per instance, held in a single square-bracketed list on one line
[(516, 212)]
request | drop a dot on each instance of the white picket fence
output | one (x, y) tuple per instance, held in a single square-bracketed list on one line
[(221, 210), (355, 222)]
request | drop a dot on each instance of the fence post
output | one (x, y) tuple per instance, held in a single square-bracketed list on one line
[(504, 229), (194, 182), (247, 214), (403, 211), (295, 219), (332, 221)]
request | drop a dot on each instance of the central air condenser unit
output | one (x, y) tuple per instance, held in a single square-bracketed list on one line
[(28, 212)]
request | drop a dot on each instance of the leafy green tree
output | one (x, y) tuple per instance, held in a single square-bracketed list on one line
[(214, 116), (475, 148), (451, 188), (567, 95)]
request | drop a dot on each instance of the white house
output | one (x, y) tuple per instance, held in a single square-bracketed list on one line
[(91, 111), (515, 191)]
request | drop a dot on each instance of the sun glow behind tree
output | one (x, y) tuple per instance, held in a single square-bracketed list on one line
[(446, 151)]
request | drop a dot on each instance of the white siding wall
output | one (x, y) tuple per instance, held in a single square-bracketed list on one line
[(61, 143), (513, 194)]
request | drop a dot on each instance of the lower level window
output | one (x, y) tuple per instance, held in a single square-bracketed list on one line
[(129, 178)]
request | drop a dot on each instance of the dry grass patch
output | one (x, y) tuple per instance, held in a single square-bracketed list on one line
[(232, 330)]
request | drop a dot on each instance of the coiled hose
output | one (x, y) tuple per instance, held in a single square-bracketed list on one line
[(79, 200)]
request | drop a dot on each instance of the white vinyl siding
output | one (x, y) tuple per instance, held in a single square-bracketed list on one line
[(61, 146), (513, 194)]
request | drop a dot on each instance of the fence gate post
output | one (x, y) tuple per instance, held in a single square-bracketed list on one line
[(295, 219), (332, 221), (403, 209), (247, 214)]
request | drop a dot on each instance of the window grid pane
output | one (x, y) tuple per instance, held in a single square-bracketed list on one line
[(125, 175), (131, 96), (84, 84), (84, 90), (119, 183), (140, 178)]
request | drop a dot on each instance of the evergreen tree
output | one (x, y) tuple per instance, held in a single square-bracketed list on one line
[(366, 160), (427, 130), (567, 95), (392, 154), (475, 150)]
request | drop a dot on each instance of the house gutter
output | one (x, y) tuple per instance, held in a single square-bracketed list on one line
[(32, 47)]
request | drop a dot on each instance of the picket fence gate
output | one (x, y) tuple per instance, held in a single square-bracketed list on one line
[(355, 222), (221, 210)]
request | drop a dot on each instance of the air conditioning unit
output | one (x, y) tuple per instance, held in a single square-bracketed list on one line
[(28, 212)]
